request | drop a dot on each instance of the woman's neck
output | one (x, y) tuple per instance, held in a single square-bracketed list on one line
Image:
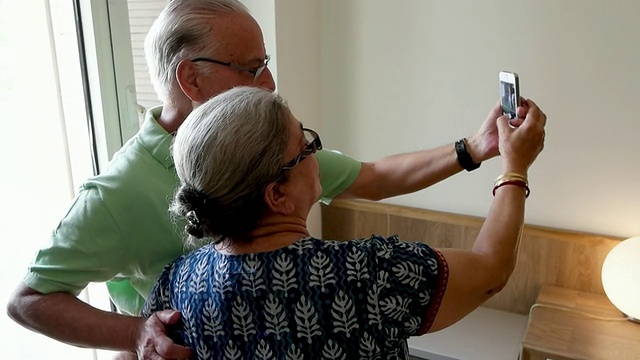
[(271, 234)]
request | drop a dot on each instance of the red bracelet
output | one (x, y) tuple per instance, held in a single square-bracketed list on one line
[(519, 183)]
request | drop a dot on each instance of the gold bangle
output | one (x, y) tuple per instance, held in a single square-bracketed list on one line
[(511, 176)]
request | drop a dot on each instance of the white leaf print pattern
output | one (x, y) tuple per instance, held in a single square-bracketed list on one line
[(187, 314), (200, 279), (263, 351), (424, 297), (391, 338), (294, 353), (414, 247), (203, 350), (252, 275), (306, 320), (395, 307), (383, 279), (276, 320), (164, 297), (321, 271), (368, 347), (220, 283), (344, 314), (181, 279), (409, 273), (412, 325), (356, 265), (231, 352), (332, 244), (372, 306), (433, 265), (303, 245), (284, 276), (384, 250), (332, 351), (242, 319), (212, 320)]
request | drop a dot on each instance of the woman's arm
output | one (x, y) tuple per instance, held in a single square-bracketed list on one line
[(478, 274)]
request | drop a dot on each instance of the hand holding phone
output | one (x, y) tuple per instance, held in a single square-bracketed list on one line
[(509, 93)]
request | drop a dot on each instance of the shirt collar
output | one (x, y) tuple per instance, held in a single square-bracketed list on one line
[(155, 138)]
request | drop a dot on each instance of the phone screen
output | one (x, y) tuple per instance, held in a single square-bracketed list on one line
[(509, 93)]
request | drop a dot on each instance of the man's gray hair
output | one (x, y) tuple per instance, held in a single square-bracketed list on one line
[(180, 32), (226, 152)]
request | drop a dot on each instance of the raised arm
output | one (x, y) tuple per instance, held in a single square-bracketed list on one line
[(478, 274), (406, 173)]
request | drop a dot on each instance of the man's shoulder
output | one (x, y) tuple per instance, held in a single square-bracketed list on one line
[(134, 177)]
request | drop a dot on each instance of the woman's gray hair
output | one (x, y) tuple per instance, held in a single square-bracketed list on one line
[(226, 152), (181, 32)]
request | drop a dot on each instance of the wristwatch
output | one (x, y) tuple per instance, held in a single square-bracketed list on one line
[(464, 158)]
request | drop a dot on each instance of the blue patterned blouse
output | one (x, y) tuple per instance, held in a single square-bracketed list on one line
[(314, 299)]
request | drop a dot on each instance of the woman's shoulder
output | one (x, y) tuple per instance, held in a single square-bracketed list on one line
[(373, 242)]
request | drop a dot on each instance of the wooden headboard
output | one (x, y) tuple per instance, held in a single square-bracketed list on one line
[(562, 258)]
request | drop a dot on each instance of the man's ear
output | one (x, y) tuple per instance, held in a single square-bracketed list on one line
[(276, 199), (187, 76)]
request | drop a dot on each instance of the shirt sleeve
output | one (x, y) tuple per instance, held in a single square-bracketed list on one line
[(337, 173), (412, 279), (85, 247), (125, 296)]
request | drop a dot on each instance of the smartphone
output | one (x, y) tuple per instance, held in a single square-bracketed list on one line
[(509, 93)]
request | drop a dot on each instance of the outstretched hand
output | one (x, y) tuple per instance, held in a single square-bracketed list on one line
[(484, 143), (522, 139), (153, 340)]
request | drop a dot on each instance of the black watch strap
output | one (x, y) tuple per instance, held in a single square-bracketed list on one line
[(464, 158)]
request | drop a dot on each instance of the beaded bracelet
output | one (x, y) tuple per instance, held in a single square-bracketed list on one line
[(511, 179)]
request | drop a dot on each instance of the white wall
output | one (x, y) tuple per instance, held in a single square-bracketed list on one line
[(405, 75), (292, 33), (412, 74)]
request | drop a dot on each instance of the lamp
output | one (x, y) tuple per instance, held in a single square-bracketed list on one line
[(621, 277)]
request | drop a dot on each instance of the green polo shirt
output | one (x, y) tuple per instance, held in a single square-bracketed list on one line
[(118, 229)]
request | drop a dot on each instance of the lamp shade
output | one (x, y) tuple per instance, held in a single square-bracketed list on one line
[(621, 277)]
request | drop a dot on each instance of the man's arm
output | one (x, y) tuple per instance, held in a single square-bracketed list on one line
[(406, 173), (51, 315)]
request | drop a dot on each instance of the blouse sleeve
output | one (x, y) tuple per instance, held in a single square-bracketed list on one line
[(159, 298), (411, 279)]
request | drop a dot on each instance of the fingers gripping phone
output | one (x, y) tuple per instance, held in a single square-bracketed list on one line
[(509, 93)]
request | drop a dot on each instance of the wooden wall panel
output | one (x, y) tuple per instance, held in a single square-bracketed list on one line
[(562, 258)]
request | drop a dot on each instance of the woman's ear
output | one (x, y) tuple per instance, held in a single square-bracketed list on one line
[(187, 76), (276, 199)]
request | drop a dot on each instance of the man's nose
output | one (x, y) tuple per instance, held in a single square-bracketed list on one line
[(265, 80)]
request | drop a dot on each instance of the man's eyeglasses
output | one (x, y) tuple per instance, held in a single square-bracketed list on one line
[(313, 144), (256, 71)]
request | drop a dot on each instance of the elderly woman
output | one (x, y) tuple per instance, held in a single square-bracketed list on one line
[(264, 288)]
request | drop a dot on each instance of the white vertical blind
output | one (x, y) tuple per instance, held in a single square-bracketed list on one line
[(142, 13)]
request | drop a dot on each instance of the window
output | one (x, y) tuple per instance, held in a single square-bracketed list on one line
[(60, 130), (142, 13), (45, 148)]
